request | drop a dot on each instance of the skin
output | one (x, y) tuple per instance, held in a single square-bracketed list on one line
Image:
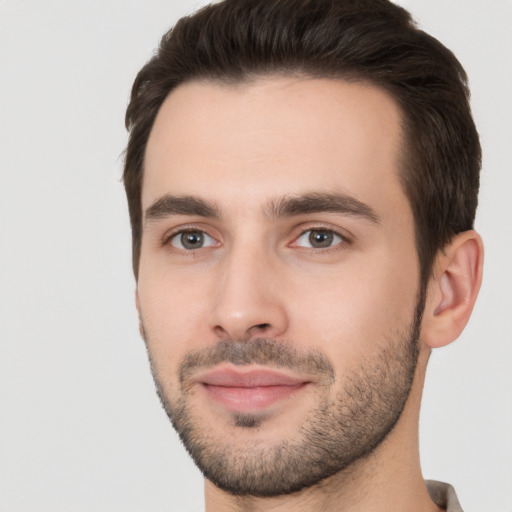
[(241, 148)]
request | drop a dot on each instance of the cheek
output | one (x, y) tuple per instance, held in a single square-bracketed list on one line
[(360, 308), (174, 314)]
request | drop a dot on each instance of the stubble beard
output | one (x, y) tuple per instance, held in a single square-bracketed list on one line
[(336, 434)]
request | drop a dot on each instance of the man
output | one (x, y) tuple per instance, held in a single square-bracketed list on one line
[(302, 180)]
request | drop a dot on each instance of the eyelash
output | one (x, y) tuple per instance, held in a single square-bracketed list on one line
[(341, 245), (166, 241)]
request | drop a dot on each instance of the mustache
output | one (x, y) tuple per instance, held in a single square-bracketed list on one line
[(263, 351)]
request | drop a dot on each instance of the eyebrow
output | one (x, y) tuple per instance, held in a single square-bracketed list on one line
[(288, 206), (317, 202), (181, 205)]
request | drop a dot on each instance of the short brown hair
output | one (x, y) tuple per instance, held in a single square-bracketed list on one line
[(372, 41)]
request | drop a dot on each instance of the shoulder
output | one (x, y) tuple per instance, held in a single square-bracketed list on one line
[(443, 495)]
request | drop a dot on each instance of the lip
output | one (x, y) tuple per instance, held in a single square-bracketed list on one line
[(249, 389)]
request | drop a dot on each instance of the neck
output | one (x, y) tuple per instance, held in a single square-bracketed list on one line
[(389, 479)]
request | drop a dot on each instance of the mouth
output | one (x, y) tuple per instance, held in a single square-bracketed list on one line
[(249, 389)]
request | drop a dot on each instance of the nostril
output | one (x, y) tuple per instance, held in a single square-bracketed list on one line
[(262, 326), (220, 332)]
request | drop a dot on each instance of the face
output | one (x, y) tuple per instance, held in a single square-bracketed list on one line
[(278, 280)]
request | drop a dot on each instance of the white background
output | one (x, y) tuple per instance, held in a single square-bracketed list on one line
[(81, 429)]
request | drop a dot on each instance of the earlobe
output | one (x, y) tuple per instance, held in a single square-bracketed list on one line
[(453, 289)]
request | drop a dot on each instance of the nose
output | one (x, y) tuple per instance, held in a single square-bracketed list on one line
[(249, 301)]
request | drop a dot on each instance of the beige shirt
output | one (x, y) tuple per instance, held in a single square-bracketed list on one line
[(443, 495)]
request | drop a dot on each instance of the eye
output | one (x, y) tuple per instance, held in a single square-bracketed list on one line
[(318, 239), (192, 239)]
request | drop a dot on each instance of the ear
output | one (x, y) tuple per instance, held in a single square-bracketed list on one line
[(453, 289)]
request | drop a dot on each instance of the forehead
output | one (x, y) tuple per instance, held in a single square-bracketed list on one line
[(240, 144)]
